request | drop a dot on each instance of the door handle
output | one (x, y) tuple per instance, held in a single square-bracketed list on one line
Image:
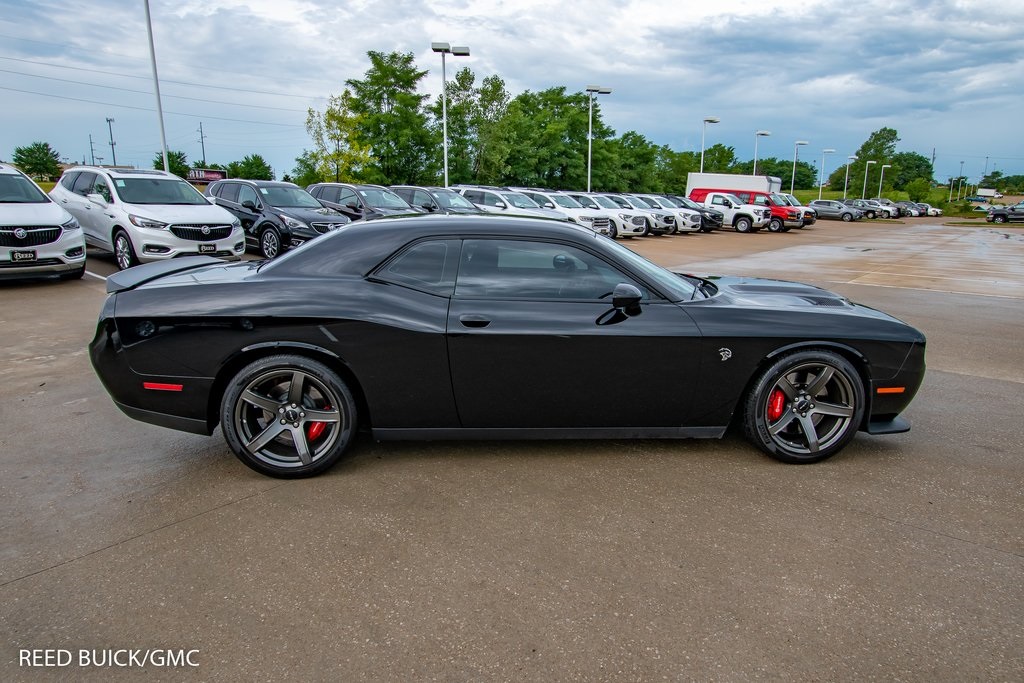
[(474, 320)]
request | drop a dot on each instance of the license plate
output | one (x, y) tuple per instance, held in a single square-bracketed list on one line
[(22, 256), (207, 248)]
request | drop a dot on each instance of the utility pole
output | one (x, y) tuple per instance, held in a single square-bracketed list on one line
[(113, 154), (986, 168), (933, 157), (92, 150), (202, 141)]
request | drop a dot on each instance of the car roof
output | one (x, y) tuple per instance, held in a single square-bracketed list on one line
[(366, 244), (118, 172), (7, 169), (257, 183)]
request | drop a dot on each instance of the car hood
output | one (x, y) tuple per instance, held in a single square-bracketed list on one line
[(45, 213), (323, 215), (181, 213)]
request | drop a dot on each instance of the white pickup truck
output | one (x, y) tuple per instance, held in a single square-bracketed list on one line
[(742, 217)]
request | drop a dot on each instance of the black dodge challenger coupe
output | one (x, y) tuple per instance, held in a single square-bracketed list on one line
[(486, 327)]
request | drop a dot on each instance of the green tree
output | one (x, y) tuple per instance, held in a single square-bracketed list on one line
[(305, 172), (879, 148), (462, 138), (392, 120), (907, 167), (252, 167), (176, 161), (719, 158), (918, 189), (673, 168), (338, 153), (493, 142), (38, 160)]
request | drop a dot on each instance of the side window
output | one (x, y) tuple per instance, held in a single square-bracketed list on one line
[(519, 269), (761, 200), (246, 193), (427, 266), (85, 183), (475, 196), (316, 190), (228, 192), (492, 199), (717, 200), (347, 196), (743, 197), (68, 181), (101, 188), (420, 199)]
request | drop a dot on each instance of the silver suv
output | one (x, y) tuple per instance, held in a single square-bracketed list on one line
[(145, 215), (37, 236)]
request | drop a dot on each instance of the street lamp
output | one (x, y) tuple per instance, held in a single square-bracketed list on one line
[(591, 91), (821, 172), (846, 182), (446, 49), (707, 120), (864, 190), (882, 177), (796, 152), (961, 181), (758, 134)]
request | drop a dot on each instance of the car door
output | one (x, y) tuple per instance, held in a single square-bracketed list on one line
[(85, 211), (534, 342), (349, 204)]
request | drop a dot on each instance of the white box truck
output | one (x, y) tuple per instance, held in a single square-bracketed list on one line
[(732, 181)]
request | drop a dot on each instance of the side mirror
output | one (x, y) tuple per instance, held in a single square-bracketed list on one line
[(96, 198), (726, 203), (353, 206), (626, 298), (501, 205), (427, 206), (211, 199), (548, 205), (249, 204)]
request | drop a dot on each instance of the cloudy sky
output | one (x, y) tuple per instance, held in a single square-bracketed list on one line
[(947, 74)]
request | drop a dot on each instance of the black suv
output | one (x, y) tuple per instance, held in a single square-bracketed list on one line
[(435, 199), (275, 216), (361, 202)]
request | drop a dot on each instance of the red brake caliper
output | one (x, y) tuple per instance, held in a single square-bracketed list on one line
[(776, 405), (317, 428)]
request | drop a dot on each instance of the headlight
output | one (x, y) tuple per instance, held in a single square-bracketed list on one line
[(292, 222), (71, 225), (626, 217), (236, 224), (146, 222)]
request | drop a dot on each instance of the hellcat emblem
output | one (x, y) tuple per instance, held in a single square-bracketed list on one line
[(726, 353)]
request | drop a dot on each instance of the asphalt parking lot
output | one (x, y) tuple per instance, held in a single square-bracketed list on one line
[(902, 558)]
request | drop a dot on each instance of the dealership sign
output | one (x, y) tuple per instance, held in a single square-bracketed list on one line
[(206, 175)]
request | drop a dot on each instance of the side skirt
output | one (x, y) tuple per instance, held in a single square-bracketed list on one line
[(503, 433)]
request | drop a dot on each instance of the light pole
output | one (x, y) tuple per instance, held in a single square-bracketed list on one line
[(446, 49), (112, 143), (156, 88), (821, 172), (796, 153), (758, 134), (882, 177), (591, 91), (867, 166), (950, 190), (961, 181), (707, 120), (846, 182)]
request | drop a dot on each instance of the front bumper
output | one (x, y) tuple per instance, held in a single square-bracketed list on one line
[(158, 245), (64, 255)]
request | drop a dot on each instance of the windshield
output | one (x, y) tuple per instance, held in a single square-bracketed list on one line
[(452, 200), (607, 203), (17, 189), (670, 284), (734, 199), (779, 200), (644, 203), (520, 201), (566, 202), (289, 197), (587, 202), (157, 191), (380, 198), (689, 203), (669, 204)]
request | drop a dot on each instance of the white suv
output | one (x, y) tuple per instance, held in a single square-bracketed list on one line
[(570, 207), (37, 237), (503, 200), (687, 220), (143, 215), (626, 222)]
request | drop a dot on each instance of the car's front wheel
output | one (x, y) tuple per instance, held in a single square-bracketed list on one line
[(124, 252), (998, 219), (805, 407), (288, 416), (743, 224), (847, 217), (270, 243), (775, 225)]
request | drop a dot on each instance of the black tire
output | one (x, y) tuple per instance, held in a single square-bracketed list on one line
[(647, 229), (270, 243), (743, 224), (776, 225), (614, 232), (805, 407), (74, 274), (998, 219), (847, 217), (871, 214), (124, 252), (274, 401)]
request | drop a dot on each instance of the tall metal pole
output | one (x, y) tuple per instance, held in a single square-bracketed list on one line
[(92, 151), (444, 115), (881, 177), (846, 183), (707, 120), (864, 190), (156, 87), (113, 155), (950, 190), (202, 141), (796, 154), (821, 173), (961, 181), (590, 135)]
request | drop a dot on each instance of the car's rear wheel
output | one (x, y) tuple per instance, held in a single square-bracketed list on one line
[(124, 252), (847, 217), (270, 243), (743, 224), (805, 407), (288, 416)]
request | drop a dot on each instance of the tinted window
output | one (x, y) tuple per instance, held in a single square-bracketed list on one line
[(247, 193), (403, 192), (289, 197), (427, 266), (228, 192), (515, 269), (347, 196), (102, 189), (449, 199), (85, 183), (475, 196), (68, 181), (421, 198)]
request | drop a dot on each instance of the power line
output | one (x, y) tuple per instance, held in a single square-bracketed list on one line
[(164, 80), (177, 113), (144, 92)]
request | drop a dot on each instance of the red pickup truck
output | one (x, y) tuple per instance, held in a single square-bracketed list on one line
[(783, 217)]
